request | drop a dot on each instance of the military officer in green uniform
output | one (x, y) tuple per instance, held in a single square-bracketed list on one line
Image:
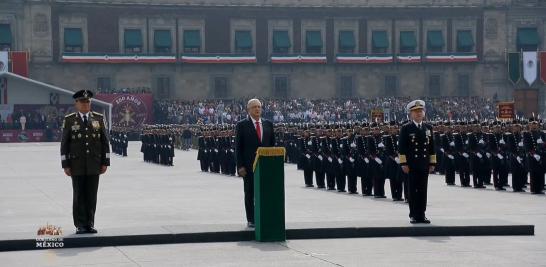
[(418, 158), (85, 154)]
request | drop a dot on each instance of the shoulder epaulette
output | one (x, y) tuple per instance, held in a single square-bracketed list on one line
[(71, 114)]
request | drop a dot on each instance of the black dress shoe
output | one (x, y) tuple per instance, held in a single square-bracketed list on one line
[(397, 199), (81, 230), (309, 185), (91, 230), (425, 220), (353, 193), (321, 187), (379, 196), (519, 190), (250, 224)]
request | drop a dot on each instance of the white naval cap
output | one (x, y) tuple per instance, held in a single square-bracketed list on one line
[(415, 104)]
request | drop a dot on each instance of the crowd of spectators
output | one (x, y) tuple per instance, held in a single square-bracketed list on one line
[(132, 90), (321, 110)]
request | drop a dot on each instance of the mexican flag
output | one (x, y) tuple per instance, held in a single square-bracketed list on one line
[(530, 61), (514, 69)]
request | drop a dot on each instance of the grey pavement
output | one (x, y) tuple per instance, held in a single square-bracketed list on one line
[(134, 194)]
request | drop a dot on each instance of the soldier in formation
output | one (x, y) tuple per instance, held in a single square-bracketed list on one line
[(119, 140), (158, 143)]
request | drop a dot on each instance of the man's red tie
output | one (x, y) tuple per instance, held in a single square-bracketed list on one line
[(259, 131)]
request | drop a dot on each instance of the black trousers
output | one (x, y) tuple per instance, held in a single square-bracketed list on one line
[(366, 181), (84, 200), (396, 187), (449, 168), (518, 175), (248, 181), (352, 182), (378, 179), (331, 180), (417, 195), (319, 177), (536, 176), (204, 165), (341, 180), (308, 175)]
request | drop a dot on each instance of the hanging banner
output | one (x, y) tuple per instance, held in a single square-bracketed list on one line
[(130, 110), (543, 66), (3, 90), (530, 66), (506, 111), (4, 59), (20, 136), (514, 69), (19, 63)]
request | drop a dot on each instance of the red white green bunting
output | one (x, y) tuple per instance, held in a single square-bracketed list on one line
[(363, 59), (284, 59), (409, 58), (116, 58), (452, 57), (218, 59)]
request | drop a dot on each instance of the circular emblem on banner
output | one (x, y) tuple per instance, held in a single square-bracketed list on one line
[(129, 111), (529, 63), (22, 137)]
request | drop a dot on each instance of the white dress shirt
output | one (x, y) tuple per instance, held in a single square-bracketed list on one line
[(84, 115)]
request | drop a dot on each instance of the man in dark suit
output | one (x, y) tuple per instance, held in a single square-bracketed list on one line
[(85, 154), (251, 133), (418, 158)]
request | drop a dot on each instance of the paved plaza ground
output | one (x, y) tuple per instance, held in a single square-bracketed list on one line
[(138, 195)]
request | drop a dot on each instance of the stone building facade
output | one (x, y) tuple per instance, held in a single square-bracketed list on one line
[(278, 48)]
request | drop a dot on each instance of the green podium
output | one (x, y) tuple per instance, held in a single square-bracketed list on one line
[(269, 194)]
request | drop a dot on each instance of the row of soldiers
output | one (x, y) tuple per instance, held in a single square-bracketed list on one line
[(119, 140), (337, 155), (158, 143), (491, 151), (216, 149)]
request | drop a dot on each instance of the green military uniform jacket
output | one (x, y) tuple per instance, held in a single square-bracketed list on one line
[(84, 148)]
